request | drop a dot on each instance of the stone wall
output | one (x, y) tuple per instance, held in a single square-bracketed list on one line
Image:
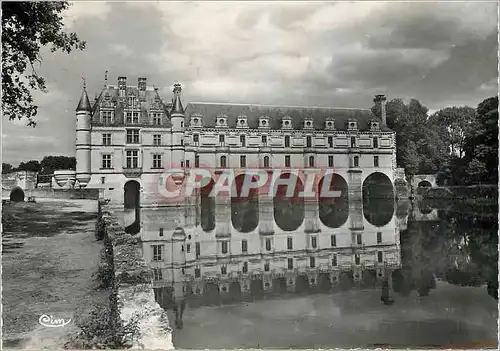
[(134, 283)]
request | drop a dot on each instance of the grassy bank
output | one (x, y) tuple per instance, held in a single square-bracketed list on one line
[(49, 257)]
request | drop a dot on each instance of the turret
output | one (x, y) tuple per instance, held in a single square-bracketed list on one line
[(83, 125), (177, 120)]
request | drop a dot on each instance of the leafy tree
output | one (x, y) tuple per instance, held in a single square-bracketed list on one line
[(26, 27), (50, 164), (476, 169), (30, 166), (6, 168)]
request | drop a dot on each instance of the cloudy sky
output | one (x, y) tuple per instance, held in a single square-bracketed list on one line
[(315, 53)]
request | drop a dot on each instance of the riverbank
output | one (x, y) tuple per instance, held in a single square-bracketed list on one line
[(49, 255), (472, 194)]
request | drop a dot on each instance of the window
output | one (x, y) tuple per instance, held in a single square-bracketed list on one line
[(187, 163), (132, 101), (182, 164), (106, 161), (312, 262), (182, 248), (268, 244), (197, 272), (375, 142), (245, 267), (196, 138), (379, 237), (314, 242), (156, 160), (182, 141), (375, 161), (308, 141), (242, 140), (103, 180), (198, 249), (264, 140), (132, 117), (224, 247), (132, 159), (330, 141), (380, 257), (287, 141), (197, 161), (266, 161), (223, 162), (157, 274), (157, 119), (221, 139), (157, 252), (311, 161), (359, 239), (333, 240), (223, 270), (106, 139), (244, 246), (287, 161), (188, 248), (289, 243), (334, 261), (266, 266), (107, 117), (133, 136), (290, 263), (156, 139), (182, 124), (243, 161), (330, 161), (353, 141), (356, 259), (356, 161), (161, 231)]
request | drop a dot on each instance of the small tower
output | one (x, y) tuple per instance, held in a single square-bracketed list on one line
[(83, 125), (178, 264), (177, 120)]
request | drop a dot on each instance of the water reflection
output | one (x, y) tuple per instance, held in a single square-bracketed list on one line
[(403, 250)]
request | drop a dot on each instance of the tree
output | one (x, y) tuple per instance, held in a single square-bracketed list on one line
[(30, 166), (6, 168), (50, 164), (476, 169), (26, 27)]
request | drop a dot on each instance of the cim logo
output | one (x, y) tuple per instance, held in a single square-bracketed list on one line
[(51, 322), (176, 185)]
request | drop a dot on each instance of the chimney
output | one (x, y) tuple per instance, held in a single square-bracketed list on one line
[(381, 99), (141, 83)]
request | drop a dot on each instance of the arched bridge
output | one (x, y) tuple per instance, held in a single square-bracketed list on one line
[(15, 184), (424, 180)]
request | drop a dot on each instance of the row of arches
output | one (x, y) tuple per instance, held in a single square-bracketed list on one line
[(289, 211)]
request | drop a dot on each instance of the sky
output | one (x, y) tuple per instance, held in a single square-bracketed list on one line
[(289, 53)]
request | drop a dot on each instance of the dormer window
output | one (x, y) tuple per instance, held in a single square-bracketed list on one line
[(286, 123), (132, 102), (308, 124), (157, 116), (352, 124), (330, 124), (263, 122), (242, 122), (196, 120), (374, 125), (221, 121)]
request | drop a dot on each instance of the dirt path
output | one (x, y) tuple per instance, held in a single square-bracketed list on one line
[(49, 255)]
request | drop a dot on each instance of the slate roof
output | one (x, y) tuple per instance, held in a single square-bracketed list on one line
[(84, 103), (109, 99), (210, 111)]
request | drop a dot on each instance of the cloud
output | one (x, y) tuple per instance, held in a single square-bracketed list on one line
[(319, 53)]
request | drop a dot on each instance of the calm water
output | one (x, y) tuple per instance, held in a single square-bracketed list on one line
[(443, 292)]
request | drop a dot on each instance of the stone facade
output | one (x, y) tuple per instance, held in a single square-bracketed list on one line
[(131, 133)]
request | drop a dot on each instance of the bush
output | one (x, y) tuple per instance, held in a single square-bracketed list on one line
[(100, 229)]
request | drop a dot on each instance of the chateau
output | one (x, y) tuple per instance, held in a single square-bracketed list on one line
[(129, 135)]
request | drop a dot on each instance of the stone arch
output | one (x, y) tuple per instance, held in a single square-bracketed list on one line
[(244, 209), (207, 205), (378, 199), (17, 194), (132, 205), (424, 184), (288, 211), (333, 212)]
